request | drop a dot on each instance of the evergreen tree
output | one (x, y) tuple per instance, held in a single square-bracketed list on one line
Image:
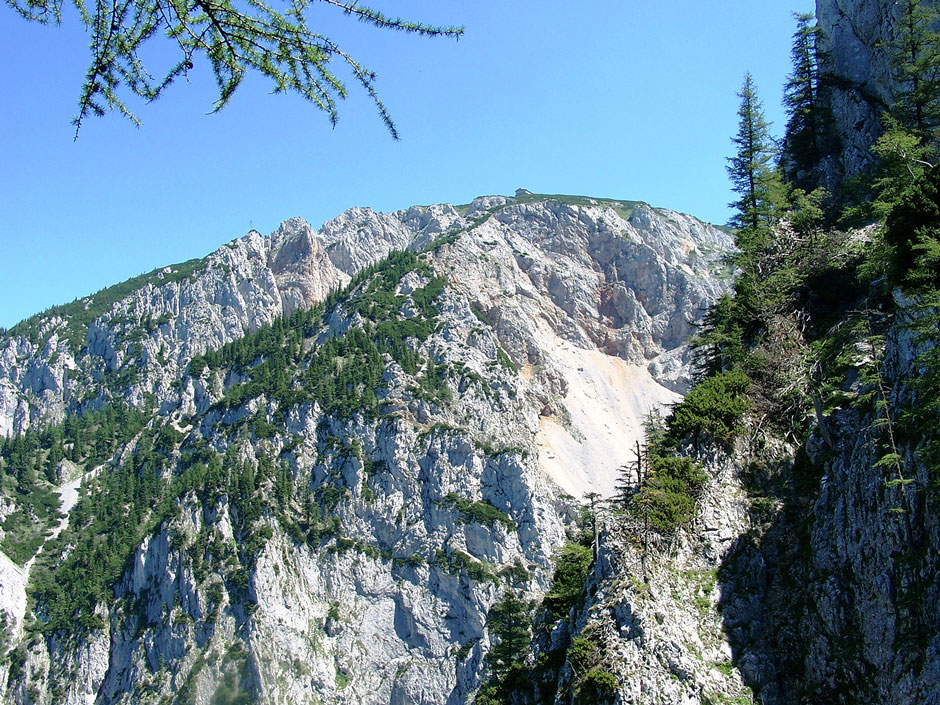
[(758, 293), (274, 40), (807, 118), (629, 476), (508, 621), (915, 52), (751, 169)]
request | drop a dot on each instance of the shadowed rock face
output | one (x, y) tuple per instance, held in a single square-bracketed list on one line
[(558, 326), (859, 80)]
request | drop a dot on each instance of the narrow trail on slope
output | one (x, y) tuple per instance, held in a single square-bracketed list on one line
[(13, 578), (68, 497)]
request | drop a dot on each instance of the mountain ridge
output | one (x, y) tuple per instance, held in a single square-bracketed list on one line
[(350, 246)]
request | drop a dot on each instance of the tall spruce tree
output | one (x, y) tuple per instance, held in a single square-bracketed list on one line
[(508, 622), (738, 321), (807, 118), (757, 182), (915, 53), (751, 169)]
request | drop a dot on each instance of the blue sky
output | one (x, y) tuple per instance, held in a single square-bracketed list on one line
[(605, 98)]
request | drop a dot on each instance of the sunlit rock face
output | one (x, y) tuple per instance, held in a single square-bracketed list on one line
[(627, 281), (560, 324)]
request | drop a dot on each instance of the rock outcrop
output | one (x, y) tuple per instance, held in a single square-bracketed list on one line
[(808, 576)]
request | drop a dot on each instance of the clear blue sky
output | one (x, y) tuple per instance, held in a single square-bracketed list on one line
[(632, 100)]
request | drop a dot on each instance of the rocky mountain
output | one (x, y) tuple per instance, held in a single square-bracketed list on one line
[(363, 464), (809, 574), (312, 466)]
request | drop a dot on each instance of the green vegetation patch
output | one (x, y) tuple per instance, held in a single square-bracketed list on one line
[(456, 562), (344, 372), (480, 512), (713, 409), (572, 563), (624, 208), (667, 499), (29, 466)]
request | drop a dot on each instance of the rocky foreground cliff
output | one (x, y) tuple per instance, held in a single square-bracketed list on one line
[(809, 574), (313, 462)]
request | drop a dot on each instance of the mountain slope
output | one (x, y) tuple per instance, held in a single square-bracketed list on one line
[(328, 507)]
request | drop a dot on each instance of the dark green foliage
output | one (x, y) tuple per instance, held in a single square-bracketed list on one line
[(808, 119), (129, 501), (572, 563), (768, 281), (29, 462), (751, 169), (114, 513), (25, 529), (514, 574), (919, 420), (720, 344), (480, 511), (667, 499), (343, 374), (712, 409), (329, 496), (582, 654), (597, 686), (456, 562), (508, 624), (16, 659), (915, 54), (511, 680), (912, 231), (432, 383), (591, 682), (503, 359), (912, 239)]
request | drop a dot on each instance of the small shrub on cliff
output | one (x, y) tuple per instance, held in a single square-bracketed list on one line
[(712, 410), (597, 686)]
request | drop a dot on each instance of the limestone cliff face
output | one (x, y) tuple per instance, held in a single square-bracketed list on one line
[(519, 385), (863, 625), (860, 84), (146, 338), (656, 615)]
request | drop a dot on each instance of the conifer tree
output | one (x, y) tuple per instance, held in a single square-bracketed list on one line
[(751, 169), (757, 183), (807, 118), (915, 53), (508, 621)]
